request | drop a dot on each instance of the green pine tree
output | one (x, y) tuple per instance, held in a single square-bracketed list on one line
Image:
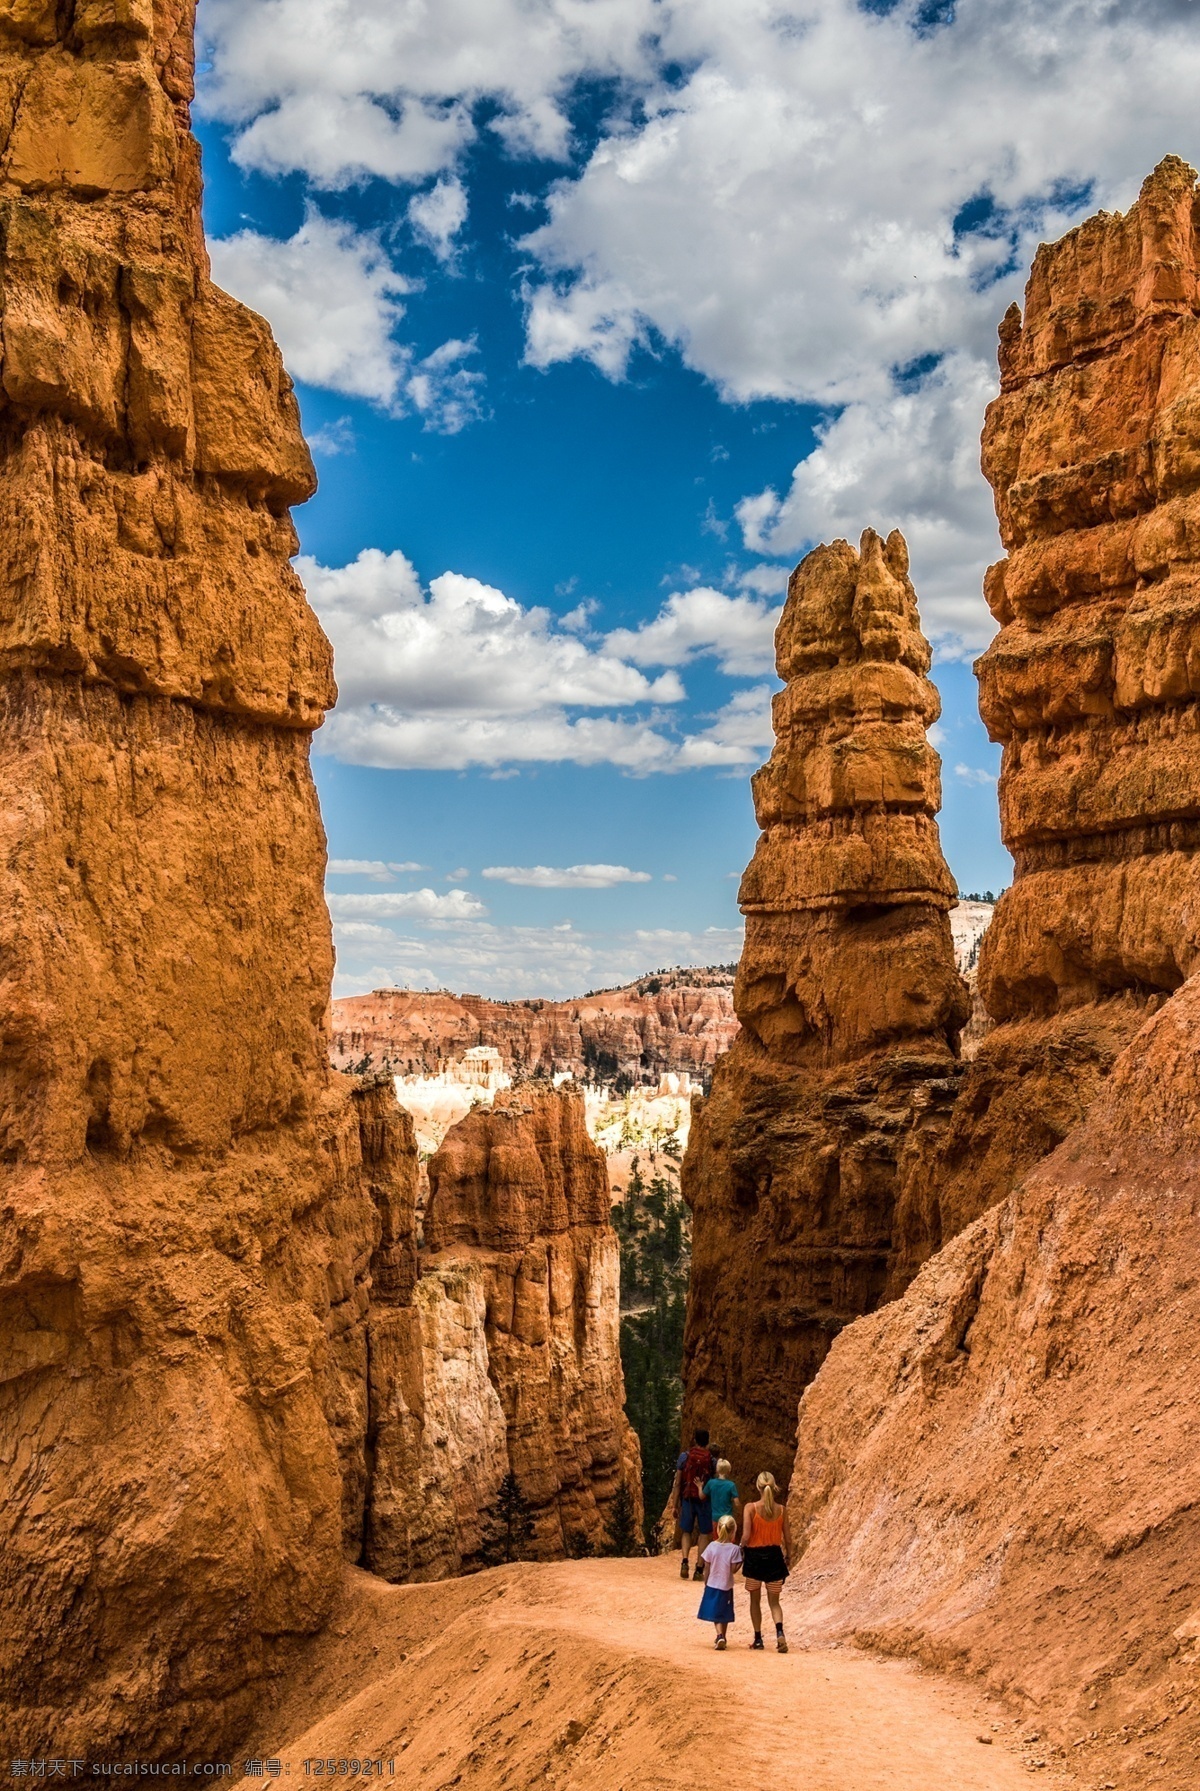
[(516, 1519), (622, 1532)]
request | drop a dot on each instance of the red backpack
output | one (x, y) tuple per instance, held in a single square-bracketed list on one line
[(697, 1471)]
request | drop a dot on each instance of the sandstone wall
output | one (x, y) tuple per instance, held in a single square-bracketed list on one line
[(1091, 685), (518, 1222), (849, 1001), (673, 1021)]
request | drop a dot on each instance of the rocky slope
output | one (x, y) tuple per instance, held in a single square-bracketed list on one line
[(674, 1020), (1090, 685), (1001, 1471), (849, 1001), (210, 1309)]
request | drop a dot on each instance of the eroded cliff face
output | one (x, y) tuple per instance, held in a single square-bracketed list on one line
[(673, 1021), (518, 1224), (1000, 1471), (849, 1001)]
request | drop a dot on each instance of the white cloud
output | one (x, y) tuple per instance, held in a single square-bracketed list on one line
[(572, 876), (463, 675), (344, 92), (373, 869), (438, 215), (332, 297), (739, 734), (425, 904), (466, 676), (909, 460), (333, 438), (767, 580), (464, 650), (972, 774), (785, 217), (508, 962), (783, 212), (738, 632), (446, 393)]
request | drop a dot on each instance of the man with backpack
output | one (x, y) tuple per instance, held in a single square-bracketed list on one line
[(694, 1469)]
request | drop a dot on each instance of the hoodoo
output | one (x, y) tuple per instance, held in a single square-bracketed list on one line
[(1092, 686), (849, 1001)]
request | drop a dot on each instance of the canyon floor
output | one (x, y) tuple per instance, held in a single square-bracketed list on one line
[(597, 1676)]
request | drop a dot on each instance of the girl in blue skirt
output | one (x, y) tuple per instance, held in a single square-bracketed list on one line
[(722, 1559)]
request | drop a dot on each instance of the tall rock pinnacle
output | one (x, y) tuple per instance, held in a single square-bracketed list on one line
[(849, 1000), (1091, 685), (185, 1222)]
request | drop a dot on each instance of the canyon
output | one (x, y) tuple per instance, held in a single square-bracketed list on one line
[(274, 1413), (224, 1371), (668, 1022)]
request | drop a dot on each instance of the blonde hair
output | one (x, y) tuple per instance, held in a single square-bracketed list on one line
[(726, 1527), (767, 1487), (722, 1470)]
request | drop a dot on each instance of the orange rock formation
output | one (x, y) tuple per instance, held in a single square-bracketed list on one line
[(674, 1020), (849, 1000), (519, 1202), (1091, 685), (210, 1310)]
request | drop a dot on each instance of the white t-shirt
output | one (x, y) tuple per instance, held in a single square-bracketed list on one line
[(724, 1559)]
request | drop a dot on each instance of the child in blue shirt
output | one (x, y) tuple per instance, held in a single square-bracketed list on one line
[(722, 1494)]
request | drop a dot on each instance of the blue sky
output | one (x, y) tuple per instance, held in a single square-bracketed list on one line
[(601, 312)]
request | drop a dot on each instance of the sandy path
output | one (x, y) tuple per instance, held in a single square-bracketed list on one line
[(596, 1676)]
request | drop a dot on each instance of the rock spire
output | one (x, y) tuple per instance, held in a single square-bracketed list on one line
[(1092, 686), (849, 1000)]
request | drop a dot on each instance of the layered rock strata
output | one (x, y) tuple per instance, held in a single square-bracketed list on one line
[(1093, 452), (1001, 1471), (849, 1001), (674, 1021)]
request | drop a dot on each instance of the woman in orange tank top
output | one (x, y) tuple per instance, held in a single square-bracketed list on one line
[(766, 1556)]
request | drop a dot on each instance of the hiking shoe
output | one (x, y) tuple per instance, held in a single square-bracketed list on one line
[(699, 1573), (757, 1642), (781, 1643), (720, 1644), (683, 1569)]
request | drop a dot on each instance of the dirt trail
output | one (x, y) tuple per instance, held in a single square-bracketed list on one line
[(596, 1676)]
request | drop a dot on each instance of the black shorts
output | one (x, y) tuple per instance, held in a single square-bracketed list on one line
[(765, 1564)]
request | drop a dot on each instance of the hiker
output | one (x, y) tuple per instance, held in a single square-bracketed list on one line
[(693, 1471), (722, 1495), (722, 1559), (766, 1556)]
